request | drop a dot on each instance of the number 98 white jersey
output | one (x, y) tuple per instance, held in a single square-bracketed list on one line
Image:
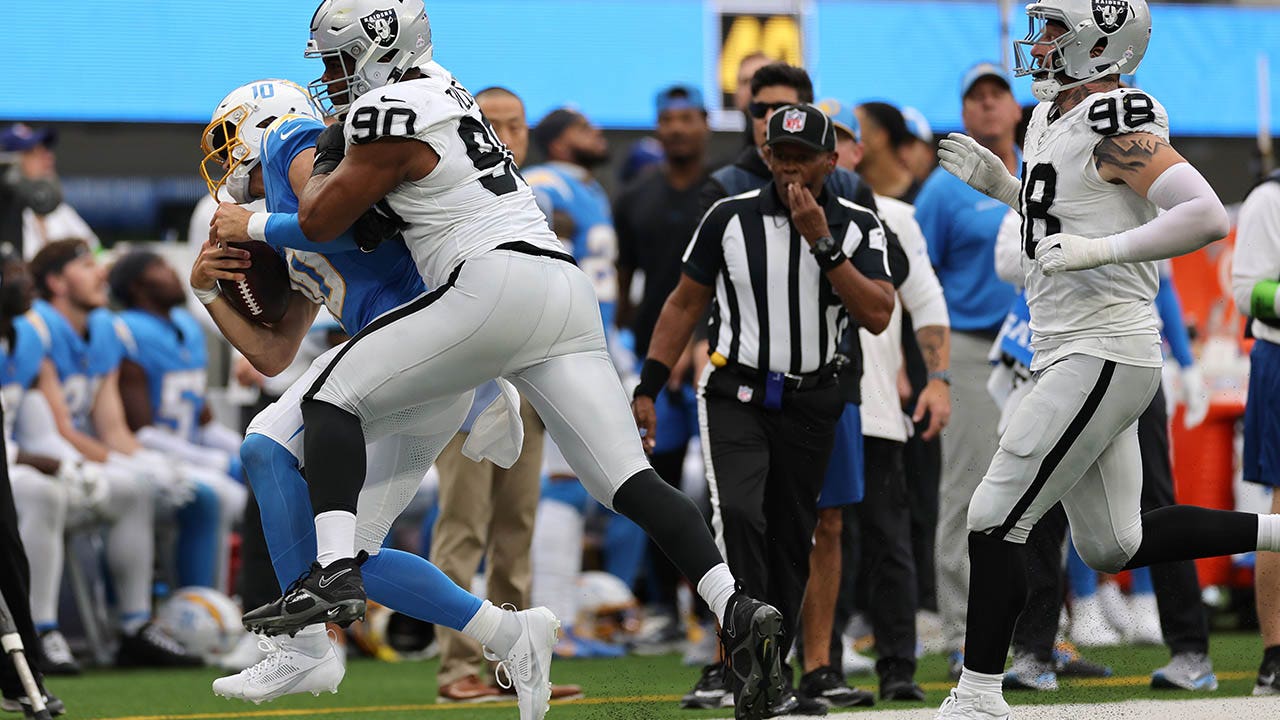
[(475, 199), (1108, 311)]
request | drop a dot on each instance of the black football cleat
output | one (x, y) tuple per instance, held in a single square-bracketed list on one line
[(151, 646), (332, 594), (752, 638)]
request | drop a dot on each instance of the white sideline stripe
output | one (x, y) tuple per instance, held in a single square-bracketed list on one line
[(1235, 708)]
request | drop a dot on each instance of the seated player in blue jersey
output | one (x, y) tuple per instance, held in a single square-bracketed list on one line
[(43, 482), (578, 210), (78, 382), (162, 387), (263, 135)]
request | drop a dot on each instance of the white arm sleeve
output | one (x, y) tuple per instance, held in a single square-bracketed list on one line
[(1009, 250), (36, 431), (1257, 255), (921, 293), (1193, 218)]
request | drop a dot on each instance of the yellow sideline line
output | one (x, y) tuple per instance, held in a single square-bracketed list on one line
[(1127, 681)]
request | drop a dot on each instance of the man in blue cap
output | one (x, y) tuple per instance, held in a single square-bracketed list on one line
[(32, 213)]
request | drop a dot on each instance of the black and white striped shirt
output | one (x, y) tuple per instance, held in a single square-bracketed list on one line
[(774, 309)]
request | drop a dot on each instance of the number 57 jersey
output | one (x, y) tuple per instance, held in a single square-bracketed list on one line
[(1108, 311), (475, 199)]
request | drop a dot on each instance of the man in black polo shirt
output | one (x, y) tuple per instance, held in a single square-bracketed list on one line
[(769, 408)]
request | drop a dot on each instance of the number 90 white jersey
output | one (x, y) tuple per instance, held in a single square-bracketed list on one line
[(1108, 311), (475, 199)]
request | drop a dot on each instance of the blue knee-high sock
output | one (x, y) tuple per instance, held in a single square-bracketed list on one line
[(625, 544), (409, 584), (1084, 579), (198, 538), (1140, 582), (285, 506)]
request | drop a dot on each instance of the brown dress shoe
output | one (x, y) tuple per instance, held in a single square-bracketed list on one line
[(558, 692), (469, 689)]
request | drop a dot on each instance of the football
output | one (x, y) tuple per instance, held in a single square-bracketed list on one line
[(263, 295)]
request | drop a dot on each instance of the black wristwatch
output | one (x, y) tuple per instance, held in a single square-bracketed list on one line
[(827, 253), (824, 246)]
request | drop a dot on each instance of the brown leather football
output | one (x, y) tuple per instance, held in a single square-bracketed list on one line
[(263, 295)]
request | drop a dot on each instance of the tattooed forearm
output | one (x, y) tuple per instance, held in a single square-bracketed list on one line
[(1127, 153), (935, 346)]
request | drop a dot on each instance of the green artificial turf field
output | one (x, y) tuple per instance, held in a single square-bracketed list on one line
[(633, 688)]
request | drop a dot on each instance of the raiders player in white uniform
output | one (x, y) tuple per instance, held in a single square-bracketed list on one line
[(1099, 167), (505, 302)]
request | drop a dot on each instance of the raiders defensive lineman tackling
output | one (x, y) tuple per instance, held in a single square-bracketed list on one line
[(505, 302), (1099, 169)]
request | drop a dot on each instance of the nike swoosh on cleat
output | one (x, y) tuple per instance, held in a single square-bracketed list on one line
[(327, 581)]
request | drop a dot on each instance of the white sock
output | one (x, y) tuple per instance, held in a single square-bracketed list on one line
[(1269, 532), (312, 639), (976, 683), (716, 587), (335, 536), (495, 628)]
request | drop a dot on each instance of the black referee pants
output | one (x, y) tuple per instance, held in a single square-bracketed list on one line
[(767, 469)]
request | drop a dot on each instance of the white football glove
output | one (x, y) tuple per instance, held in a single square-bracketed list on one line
[(1195, 394), (1062, 252), (86, 478), (963, 157), (173, 489)]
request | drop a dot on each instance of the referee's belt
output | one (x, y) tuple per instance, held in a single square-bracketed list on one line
[(790, 381)]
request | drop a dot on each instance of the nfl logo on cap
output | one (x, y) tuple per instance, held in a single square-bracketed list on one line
[(793, 121)]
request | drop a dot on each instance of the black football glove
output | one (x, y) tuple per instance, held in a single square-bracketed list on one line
[(373, 228), (331, 147)]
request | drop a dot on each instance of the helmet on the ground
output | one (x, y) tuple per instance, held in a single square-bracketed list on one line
[(203, 620)]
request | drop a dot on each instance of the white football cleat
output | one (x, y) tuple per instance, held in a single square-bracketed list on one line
[(963, 706), (1145, 629), (528, 665), (291, 665), (246, 653), (1089, 625)]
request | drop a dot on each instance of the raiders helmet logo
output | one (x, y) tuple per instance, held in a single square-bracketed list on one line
[(1110, 15), (382, 26), (793, 121)]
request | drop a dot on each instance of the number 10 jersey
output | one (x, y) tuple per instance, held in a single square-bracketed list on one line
[(1108, 311), (475, 199)]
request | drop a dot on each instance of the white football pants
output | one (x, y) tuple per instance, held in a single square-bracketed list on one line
[(1073, 438), (531, 319)]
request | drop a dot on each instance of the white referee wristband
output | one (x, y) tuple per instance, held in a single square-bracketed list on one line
[(258, 226), (206, 297)]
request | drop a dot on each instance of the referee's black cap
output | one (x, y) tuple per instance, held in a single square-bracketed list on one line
[(803, 124)]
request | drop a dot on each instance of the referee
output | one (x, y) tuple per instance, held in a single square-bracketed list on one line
[(768, 408)]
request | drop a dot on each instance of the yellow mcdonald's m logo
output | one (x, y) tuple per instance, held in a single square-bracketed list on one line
[(777, 36)]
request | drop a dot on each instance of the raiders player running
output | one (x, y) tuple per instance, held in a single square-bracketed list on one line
[(1098, 169), (505, 302)]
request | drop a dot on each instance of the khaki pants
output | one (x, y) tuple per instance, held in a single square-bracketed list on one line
[(485, 511), (969, 442)]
